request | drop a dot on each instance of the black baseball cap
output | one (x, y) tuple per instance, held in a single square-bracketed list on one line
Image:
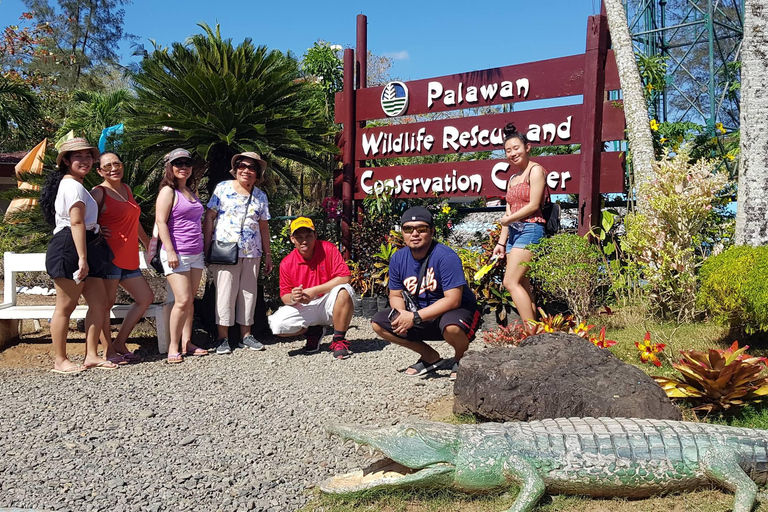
[(415, 214)]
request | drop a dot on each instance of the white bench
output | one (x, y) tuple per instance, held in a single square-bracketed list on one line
[(11, 313)]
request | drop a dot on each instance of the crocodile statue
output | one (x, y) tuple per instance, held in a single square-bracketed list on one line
[(601, 457)]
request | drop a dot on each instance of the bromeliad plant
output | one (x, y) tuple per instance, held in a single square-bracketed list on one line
[(506, 336), (718, 380), (548, 323), (648, 350)]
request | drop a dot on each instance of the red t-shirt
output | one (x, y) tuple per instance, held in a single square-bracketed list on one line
[(326, 263)]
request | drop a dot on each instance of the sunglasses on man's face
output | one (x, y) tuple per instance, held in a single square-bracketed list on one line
[(241, 166), (182, 163), (420, 229)]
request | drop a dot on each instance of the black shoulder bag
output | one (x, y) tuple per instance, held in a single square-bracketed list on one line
[(225, 253), (410, 302)]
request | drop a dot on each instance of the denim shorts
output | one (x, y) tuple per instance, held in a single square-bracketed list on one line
[(115, 272), (523, 234)]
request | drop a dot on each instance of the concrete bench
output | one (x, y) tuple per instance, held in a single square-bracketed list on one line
[(11, 313)]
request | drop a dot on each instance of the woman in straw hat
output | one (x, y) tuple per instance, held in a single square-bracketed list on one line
[(119, 213), (78, 256), (178, 215), (240, 212)]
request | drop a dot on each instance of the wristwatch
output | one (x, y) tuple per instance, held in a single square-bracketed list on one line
[(416, 318)]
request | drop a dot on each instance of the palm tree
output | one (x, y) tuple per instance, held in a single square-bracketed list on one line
[(93, 111), (18, 105), (752, 209), (635, 106), (218, 100)]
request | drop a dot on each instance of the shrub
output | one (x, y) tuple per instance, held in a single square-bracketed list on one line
[(734, 288), (718, 380), (663, 238), (509, 336), (567, 268)]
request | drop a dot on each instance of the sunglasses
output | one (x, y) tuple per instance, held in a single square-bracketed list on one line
[(182, 163), (112, 165), (241, 166), (421, 229)]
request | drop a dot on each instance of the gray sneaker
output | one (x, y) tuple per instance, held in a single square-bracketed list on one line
[(250, 342), (222, 346)]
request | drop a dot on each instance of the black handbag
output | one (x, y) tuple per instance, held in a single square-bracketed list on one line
[(226, 253), (156, 263)]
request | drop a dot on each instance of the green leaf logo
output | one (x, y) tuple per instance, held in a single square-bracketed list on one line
[(394, 99)]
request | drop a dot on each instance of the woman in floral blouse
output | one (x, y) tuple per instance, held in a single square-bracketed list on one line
[(236, 285)]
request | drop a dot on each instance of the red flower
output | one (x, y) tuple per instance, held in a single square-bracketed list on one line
[(649, 350)]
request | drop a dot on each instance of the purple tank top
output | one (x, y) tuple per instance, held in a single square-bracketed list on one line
[(185, 225)]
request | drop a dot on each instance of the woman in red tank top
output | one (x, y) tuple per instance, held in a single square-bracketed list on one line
[(523, 222), (119, 214)]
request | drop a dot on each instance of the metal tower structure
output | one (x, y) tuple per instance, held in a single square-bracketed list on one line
[(700, 41)]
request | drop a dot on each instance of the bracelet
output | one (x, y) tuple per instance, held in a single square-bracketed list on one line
[(501, 245)]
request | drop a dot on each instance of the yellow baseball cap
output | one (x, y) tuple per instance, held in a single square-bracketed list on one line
[(301, 222)]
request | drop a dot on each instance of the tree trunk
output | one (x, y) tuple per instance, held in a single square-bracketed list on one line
[(635, 107), (752, 206)]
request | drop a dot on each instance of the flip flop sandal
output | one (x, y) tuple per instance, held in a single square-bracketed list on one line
[(422, 367), (69, 370), (454, 371), (118, 360), (104, 365), (131, 357), (174, 359), (199, 352)]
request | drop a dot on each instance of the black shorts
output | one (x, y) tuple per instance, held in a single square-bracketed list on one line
[(432, 330), (61, 257)]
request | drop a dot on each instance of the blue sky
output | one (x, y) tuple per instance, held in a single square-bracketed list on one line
[(425, 39)]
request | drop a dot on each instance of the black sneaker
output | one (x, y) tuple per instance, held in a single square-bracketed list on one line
[(314, 335), (222, 346), (340, 349)]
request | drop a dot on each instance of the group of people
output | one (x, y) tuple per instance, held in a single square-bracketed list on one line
[(95, 248)]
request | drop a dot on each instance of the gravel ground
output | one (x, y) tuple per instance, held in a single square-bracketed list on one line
[(229, 433)]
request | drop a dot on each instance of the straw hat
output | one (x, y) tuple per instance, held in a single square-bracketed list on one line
[(253, 156), (76, 144)]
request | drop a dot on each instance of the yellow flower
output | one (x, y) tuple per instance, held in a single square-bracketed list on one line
[(730, 157), (719, 127), (649, 87), (654, 125), (663, 140), (446, 209)]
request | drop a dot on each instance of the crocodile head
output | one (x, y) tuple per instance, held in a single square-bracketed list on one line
[(416, 453)]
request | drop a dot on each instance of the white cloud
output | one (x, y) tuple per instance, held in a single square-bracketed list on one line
[(401, 55)]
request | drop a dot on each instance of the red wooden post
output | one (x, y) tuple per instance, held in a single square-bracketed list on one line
[(361, 52), (348, 151), (361, 82), (592, 146)]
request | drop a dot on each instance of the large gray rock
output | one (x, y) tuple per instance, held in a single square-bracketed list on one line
[(556, 376)]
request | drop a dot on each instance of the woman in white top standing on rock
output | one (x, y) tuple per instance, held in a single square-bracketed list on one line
[(78, 256)]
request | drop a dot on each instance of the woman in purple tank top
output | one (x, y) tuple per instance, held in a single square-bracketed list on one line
[(178, 215)]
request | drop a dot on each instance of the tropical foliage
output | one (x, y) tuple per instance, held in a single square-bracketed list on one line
[(217, 100), (718, 380)]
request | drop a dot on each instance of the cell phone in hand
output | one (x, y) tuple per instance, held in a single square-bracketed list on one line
[(393, 314)]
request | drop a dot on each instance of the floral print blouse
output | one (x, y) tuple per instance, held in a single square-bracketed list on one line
[(230, 206)]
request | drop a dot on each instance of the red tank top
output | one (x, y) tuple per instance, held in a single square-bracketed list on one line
[(122, 219), (518, 196)]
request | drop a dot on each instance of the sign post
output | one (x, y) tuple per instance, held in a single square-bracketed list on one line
[(589, 124)]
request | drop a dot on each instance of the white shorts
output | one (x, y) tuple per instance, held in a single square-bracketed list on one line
[(186, 262), (293, 319)]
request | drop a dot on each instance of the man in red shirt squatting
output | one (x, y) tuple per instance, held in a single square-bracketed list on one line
[(314, 286)]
